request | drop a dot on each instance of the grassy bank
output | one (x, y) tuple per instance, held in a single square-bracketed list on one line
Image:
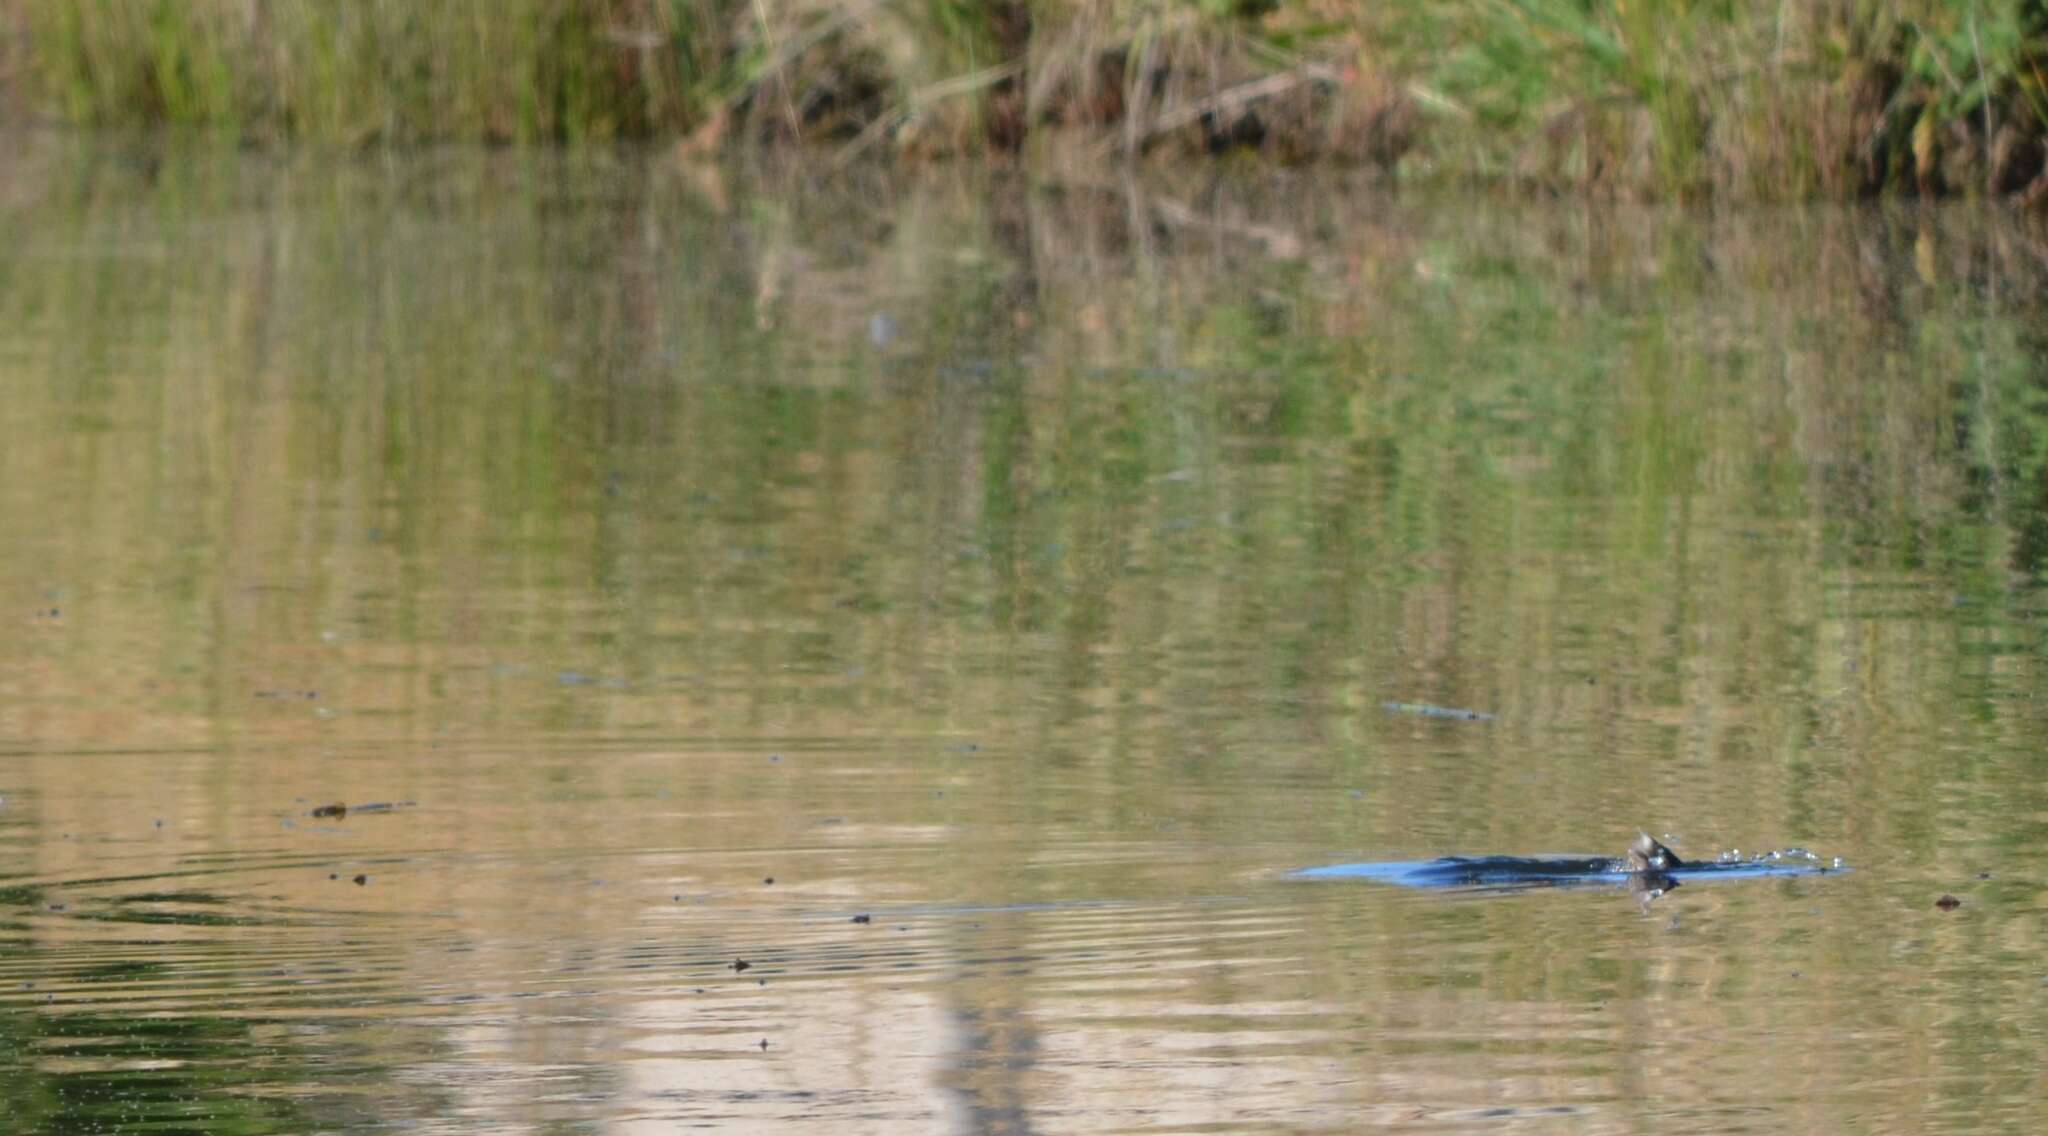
[(1736, 98)]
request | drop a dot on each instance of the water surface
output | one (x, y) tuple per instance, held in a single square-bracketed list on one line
[(1028, 568)]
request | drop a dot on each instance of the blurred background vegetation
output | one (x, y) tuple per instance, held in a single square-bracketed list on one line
[(1742, 99)]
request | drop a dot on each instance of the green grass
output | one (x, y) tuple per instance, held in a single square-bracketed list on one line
[(1674, 98), (394, 70)]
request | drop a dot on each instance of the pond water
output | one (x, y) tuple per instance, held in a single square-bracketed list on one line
[(965, 599)]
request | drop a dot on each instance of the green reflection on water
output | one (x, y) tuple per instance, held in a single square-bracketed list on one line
[(602, 419), (1150, 494), (98, 1073)]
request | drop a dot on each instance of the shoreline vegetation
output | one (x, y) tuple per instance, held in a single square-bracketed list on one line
[(1726, 99)]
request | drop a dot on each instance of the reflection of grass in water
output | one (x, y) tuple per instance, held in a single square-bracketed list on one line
[(1681, 500), (69, 1069), (1530, 463), (167, 910)]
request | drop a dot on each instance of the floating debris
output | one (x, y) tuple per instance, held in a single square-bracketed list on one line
[(338, 810), (1948, 903), (1431, 710)]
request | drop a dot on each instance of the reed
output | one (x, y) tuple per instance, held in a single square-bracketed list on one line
[(1729, 98), (502, 70)]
